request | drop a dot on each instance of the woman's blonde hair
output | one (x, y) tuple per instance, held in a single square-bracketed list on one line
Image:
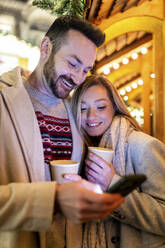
[(117, 102)]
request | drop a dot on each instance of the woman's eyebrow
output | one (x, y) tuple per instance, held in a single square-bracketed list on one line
[(101, 99), (97, 100)]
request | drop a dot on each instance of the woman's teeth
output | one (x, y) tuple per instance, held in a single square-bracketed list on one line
[(92, 125)]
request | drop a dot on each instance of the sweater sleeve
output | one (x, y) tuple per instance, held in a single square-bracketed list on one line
[(27, 206), (144, 208)]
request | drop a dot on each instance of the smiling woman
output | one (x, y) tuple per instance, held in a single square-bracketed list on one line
[(104, 121), (94, 104), (96, 111)]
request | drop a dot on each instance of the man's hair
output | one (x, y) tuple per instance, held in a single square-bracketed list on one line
[(60, 27)]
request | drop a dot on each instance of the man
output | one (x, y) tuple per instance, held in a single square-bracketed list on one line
[(36, 127)]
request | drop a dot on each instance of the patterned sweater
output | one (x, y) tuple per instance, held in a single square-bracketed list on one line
[(55, 132)]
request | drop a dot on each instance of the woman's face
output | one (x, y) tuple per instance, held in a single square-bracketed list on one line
[(96, 111)]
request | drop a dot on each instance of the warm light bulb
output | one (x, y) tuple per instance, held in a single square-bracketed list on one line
[(134, 55), (152, 75), (140, 82), (122, 92), (134, 85), (125, 98), (116, 66), (144, 50), (125, 61), (128, 88), (106, 70)]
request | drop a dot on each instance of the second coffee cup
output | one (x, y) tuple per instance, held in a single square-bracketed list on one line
[(104, 153)]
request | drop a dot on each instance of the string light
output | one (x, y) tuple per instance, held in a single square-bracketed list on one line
[(140, 82), (134, 55), (106, 70), (137, 113), (122, 92), (152, 75), (125, 61), (144, 50), (134, 85), (125, 98), (116, 65), (128, 88)]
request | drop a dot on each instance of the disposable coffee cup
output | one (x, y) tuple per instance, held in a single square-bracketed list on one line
[(104, 153), (60, 167)]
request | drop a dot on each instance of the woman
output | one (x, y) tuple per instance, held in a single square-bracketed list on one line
[(103, 120)]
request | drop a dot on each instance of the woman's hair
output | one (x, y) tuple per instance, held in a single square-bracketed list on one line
[(117, 102)]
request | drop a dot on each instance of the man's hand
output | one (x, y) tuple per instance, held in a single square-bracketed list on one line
[(79, 202)]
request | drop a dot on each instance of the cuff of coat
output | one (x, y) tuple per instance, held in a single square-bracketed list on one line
[(35, 204)]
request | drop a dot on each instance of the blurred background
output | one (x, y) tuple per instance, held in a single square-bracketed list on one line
[(132, 56)]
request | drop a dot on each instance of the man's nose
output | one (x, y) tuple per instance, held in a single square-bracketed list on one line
[(78, 76)]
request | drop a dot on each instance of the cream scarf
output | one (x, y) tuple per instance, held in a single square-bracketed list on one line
[(116, 138)]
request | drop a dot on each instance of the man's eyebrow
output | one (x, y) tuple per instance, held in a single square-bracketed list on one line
[(79, 61), (76, 58)]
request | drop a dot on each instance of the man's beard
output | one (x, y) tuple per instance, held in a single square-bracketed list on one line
[(54, 87), (53, 81), (49, 74)]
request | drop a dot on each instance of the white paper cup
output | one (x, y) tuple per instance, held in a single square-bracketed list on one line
[(104, 153), (60, 167)]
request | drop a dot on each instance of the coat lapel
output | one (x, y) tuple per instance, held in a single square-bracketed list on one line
[(26, 127)]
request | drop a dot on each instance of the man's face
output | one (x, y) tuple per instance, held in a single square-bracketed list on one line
[(69, 66)]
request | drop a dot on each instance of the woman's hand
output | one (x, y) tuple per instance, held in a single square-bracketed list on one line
[(98, 170)]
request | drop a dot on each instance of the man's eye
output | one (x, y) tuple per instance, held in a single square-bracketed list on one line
[(71, 64), (85, 71)]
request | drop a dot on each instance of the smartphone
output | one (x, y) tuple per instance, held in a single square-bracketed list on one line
[(127, 184)]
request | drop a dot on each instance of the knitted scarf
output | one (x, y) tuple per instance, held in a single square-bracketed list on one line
[(115, 138)]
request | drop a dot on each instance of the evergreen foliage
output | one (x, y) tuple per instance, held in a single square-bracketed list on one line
[(63, 7)]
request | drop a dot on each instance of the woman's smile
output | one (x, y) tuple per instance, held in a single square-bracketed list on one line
[(96, 111)]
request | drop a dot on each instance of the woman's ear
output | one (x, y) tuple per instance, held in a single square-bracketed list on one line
[(46, 48)]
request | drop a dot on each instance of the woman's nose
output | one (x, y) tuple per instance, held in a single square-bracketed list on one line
[(91, 113)]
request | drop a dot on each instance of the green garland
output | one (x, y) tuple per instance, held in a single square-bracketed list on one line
[(63, 7)]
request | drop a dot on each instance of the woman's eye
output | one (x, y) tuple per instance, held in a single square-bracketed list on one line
[(101, 107), (83, 109)]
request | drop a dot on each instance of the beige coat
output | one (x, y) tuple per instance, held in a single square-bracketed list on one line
[(26, 201)]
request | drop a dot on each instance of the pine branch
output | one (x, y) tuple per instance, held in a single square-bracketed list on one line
[(63, 7)]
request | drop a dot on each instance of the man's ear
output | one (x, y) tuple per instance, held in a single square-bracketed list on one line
[(46, 48)]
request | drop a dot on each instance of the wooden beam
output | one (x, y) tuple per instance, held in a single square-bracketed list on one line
[(123, 51)]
